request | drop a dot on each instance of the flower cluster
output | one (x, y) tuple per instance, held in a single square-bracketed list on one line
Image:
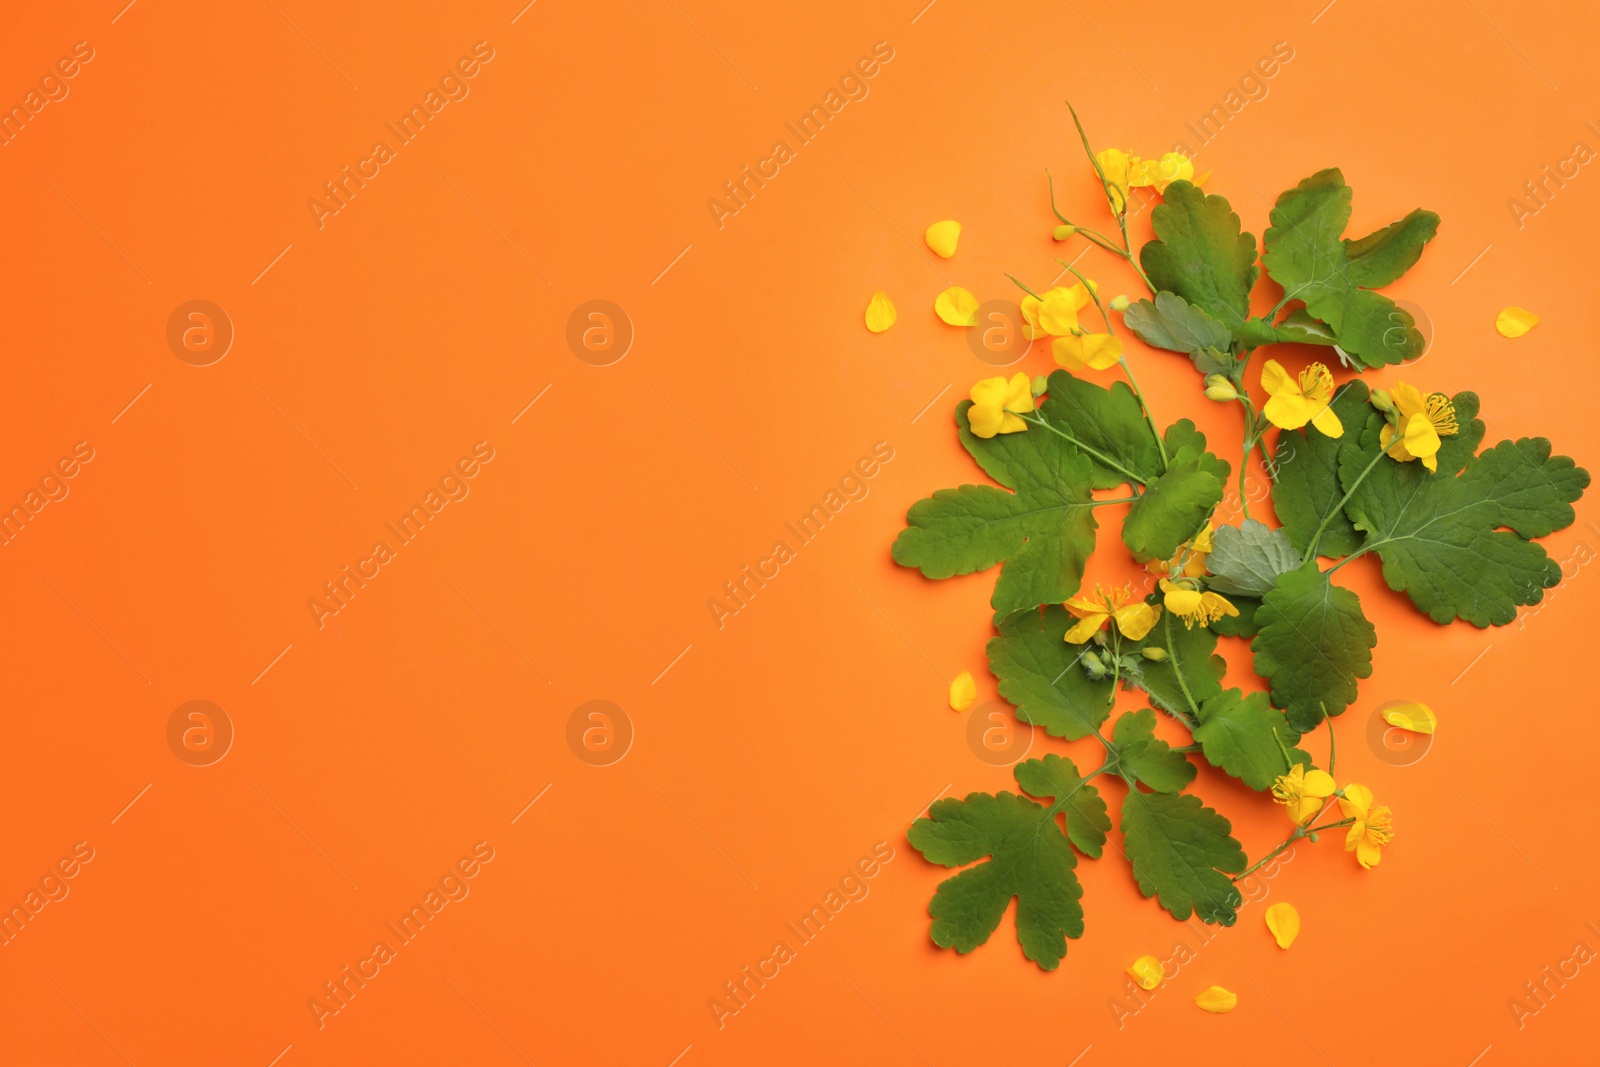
[(1305, 794)]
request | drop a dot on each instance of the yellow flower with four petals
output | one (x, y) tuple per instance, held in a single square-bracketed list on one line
[(1194, 607), (996, 404), (1373, 827), (1303, 792), (1297, 401), (1094, 613), (1422, 420)]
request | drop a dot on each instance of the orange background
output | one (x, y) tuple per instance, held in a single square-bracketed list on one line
[(771, 754)]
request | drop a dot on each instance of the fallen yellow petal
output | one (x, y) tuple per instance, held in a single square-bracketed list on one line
[(1146, 972), (962, 692), (1515, 321), (880, 312), (1217, 1001), (1418, 718), (942, 238), (1284, 922), (957, 307)]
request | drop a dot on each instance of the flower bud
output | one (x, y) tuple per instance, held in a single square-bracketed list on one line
[(1039, 385), (1382, 401), (1094, 665), (1154, 654), (1220, 389), (1065, 231), (1314, 838), (1119, 302)]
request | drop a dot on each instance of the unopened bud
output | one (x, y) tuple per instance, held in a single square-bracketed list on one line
[(1220, 389), (1119, 302), (1382, 401), (1064, 231), (1093, 664), (1039, 385), (1154, 654), (1314, 838)]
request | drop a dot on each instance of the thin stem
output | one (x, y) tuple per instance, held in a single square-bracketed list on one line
[(1120, 213), (1088, 287), (1024, 288), (1161, 445), (1299, 832), (1183, 683), (1331, 753), (1311, 546), (1040, 420)]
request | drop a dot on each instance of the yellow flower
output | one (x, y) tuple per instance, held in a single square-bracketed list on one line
[(996, 404), (957, 307), (1194, 607), (1295, 403), (1303, 792), (1373, 827), (962, 692), (1095, 350), (1133, 620), (880, 312), (1116, 164), (1284, 922), (1146, 971), (1161, 173), (942, 237), (1191, 555), (1515, 321), (1217, 1001), (1422, 421), (1063, 302)]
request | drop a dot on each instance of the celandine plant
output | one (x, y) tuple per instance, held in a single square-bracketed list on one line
[(1395, 475)]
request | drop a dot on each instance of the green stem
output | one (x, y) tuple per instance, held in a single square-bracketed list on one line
[(1331, 753), (1311, 546), (1120, 213), (1161, 445), (1177, 671), (1097, 454)]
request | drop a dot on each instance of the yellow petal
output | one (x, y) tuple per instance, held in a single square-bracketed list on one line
[(1275, 380), (1284, 922), (1328, 422), (1181, 601), (1515, 321), (1318, 784), (1356, 802), (1086, 627), (962, 692), (1019, 394), (1418, 718), (880, 312), (1217, 1001), (1137, 620), (942, 237), (1058, 314), (957, 307), (1146, 971), (1289, 411), (1368, 854)]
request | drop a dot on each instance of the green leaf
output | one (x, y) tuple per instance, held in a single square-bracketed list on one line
[(1209, 361), (1171, 322), (1109, 422), (1030, 860), (1257, 332), (1179, 849), (1459, 543), (1308, 487), (1243, 624), (1174, 506), (1313, 644), (1043, 530), (1145, 757), (1237, 735), (1246, 560), (1335, 278), (1192, 668), (1040, 674), (1300, 328), (1057, 777), (1201, 255)]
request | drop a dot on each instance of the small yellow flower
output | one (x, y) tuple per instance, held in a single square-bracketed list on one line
[(942, 238), (880, 312), (957, 306), (1297, 402), (1515, 321), (1161, 173), (1217, 1001), (1284, 922), (1116, 165), (1146, 972), (1422, 421), (1194, 607), (1065, 301), (1373, 827), (1191, 556), (1094, 613), (1095, 350), (962, 692), (1303, 792), (996, 404), (1418, 718)]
